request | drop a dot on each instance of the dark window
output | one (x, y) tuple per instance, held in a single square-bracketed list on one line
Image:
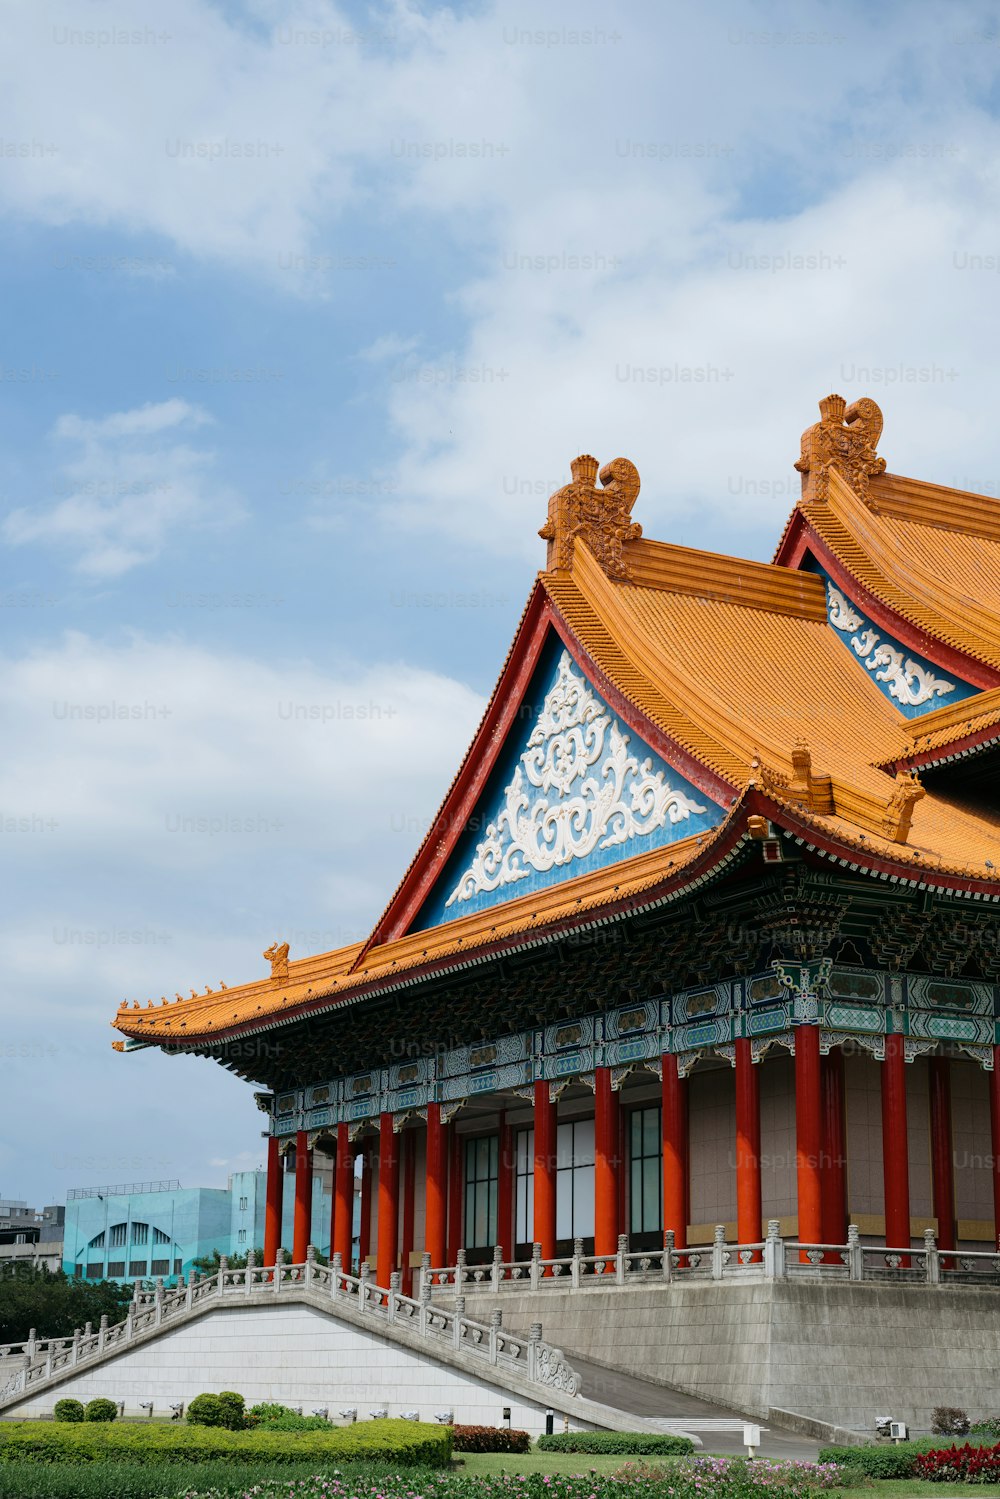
[(137, 1268), (160, 1267), (95, 1272), (524, 1181), (177, 1267), (116, 1267), (481, 1181), (140, 1233), (646, 1167)]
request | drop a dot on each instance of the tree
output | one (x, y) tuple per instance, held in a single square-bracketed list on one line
[(53, 1304)]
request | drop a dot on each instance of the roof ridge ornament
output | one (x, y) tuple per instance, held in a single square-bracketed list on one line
[(899, 808), (845, 439), (603, 517), (277, 956)]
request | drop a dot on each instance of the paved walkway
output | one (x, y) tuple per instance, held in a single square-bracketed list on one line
[(625, 1392)]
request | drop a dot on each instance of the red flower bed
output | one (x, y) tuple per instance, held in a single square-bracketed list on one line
[(489, 1439), (959, 1465)]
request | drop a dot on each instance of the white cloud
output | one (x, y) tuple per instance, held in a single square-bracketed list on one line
[(133, 482)]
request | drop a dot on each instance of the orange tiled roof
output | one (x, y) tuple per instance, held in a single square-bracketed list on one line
[(735, 664)]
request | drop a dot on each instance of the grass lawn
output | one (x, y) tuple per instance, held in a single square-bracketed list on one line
[(475, 1463), (910, 1488)]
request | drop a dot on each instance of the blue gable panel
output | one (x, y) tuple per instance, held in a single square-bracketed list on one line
[(912, 683), (574, 789)]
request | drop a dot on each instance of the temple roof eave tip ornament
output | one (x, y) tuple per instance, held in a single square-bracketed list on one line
[(601, 517), (844, 440)]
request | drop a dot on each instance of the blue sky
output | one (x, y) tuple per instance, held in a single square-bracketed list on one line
[(306, 310)]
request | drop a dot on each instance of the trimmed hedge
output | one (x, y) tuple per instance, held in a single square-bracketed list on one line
[(100, 1410), (142, 1480), (67, 1410), (637, 1443), (393, 1442), (489, 1439)]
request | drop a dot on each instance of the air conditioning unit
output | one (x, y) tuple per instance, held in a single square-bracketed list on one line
[(898, 1431)]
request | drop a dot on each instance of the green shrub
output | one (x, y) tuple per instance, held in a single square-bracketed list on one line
[(233, 1409), (100, 1410), (489, 1439), (639, 1443), (68, 1410), (205, 1410), (988, 1428), (397, 1443), (949, 1421)]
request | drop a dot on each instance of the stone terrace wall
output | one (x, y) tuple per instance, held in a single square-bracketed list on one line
[(841, 1353)]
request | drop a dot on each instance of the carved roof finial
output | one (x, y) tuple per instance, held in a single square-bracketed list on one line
[(899, 808), (277, 956), (845, 438), (603, 517)]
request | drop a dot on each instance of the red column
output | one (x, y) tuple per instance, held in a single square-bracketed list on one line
[(808, 1134), (834, 1152), (749, 1229), (272, 1211), (388, 1201), (365, 1225), (408, 1143), (456, 1194), (675, 1152), (505, 1189), (605, 1164), (942, 1153), (342, 1238), (994, 1080), (435, 1188), (895, 1153), (544, 1227), (303, 1198), (622, 1167)]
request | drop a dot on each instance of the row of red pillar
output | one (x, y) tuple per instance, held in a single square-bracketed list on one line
[(820, 1166)]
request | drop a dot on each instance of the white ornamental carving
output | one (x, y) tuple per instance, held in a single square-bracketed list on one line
[(908, 681), (576, 789)]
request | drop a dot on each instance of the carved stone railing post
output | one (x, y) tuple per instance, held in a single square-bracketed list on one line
[(668, 1255), (576, 1267), (496, 1272), (536, 1266), (75, 1355), (336, 1270), (223, 1267), (933, 1258), (279, 1261), (460, 1271), (620, 1255), (774, 1251), (425, 1271), (48, 1359), (456, 1326), (310, 1263), (534, 1338), (31, 1346), (248, 1273), (425, 1301), (719, 1252), (363, 1286), (189, 1293), (392, 1303), (158, 1302), (855, 1257), (496, 1321), (102, 1333)]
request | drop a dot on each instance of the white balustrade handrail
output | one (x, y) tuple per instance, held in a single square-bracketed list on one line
[(531, 1357)]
